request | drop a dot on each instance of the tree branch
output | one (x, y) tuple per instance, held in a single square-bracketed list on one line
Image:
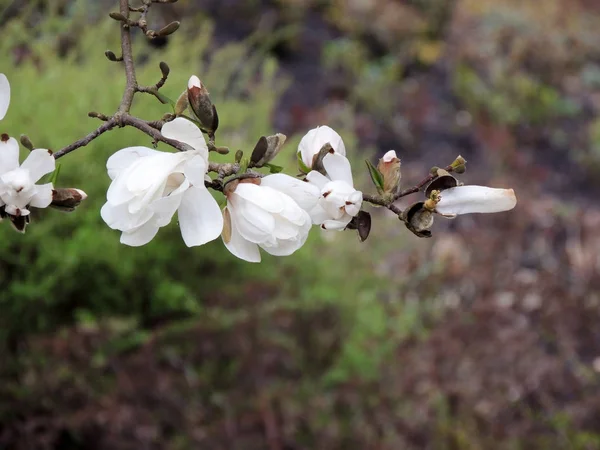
[(108, 125)]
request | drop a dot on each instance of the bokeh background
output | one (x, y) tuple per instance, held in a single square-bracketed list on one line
[(486, 336)]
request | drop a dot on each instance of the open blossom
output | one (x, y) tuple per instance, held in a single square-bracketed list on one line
[(4, 95), (315, 139), (338, 201), (475, 199), (18, 190), (258, 215), (149, 186)]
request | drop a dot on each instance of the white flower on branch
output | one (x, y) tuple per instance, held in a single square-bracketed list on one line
[(18, 190), (149, 186), (258, 215), (338, 202), (4, 95), (475, 199), (315, 139)]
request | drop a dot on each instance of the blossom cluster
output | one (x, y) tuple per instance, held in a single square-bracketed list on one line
[(273, 212)]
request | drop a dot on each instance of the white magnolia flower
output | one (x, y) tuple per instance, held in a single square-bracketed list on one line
[(338, 201), (149, 186), (475, 199), (311, 143), (4, 95), (258, 215), (18, 190)]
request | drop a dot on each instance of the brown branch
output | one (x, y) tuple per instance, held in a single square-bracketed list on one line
[(108, 125), (127, 53), (421, 185)]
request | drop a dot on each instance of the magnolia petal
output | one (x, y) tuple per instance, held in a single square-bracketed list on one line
[(195, 170), (318, 215), (336, 225), (43, 196), (185, 131), (200, 217), (252, 222), (303, 193), (316, 138), (389, 156), (241, 247), (164, 208), (39, 163), (4, 95), (150, 172), (124, 158), (317, 179), (475, 199), (140, 236), (262, 196), (338, 168), (9, 155)]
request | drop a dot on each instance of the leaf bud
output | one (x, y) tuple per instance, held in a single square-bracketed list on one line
[(26, 142), (459, 164), (169, 29), (110, 55), (164, 69), (118, 16)]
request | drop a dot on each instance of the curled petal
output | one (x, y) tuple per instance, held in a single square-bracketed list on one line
[(304, 194), (336, 225), (140, 236), (195, 170), (238, 246), (475, 199), (316, 138), (39, 163), (125, 158), (185, 131), (338, 168), (4, 95), (317, 179)]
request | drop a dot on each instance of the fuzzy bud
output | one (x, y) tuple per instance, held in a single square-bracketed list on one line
[(459, 165), (67, 199), (26, 142), (202, 107), (267, 148), (389, 167)]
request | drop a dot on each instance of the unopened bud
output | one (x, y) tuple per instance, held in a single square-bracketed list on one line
[(67, 199), (26, 142), (164, 69), (459, 164), (238, 156), (111, 56), (389, 167), (118, 16), (267, 148), (202, 107), (168, 29)]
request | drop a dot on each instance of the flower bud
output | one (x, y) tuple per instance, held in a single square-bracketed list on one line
[(389, 167), (67, 199), (267, 148), (26, 142), (202, 107), (169, 29)]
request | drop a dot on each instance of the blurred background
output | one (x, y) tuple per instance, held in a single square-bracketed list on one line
[(486, 336)]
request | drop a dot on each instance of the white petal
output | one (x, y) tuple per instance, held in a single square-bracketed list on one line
[(4, 95), (42, 197), (303, 193), (200, 217), (185, 131), (389, 156), (312, 142), (241, 247), (9, 155), (253, 223), (318, 215), (335, 225), (194, 81), (154, 170), (39, 163), (317, 178), (124, 158), (475, 199), (139, 236), (164, 208), (338, 168), (262, 196), (195, 170)]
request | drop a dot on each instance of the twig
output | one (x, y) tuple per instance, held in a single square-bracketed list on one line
[(108, 125)]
